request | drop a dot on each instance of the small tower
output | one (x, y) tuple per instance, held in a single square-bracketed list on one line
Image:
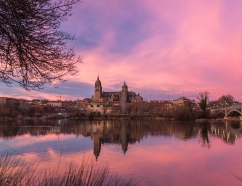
[(98, 90), (124, 97)]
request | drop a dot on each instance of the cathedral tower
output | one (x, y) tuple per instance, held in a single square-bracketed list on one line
[(98, 90), (124, 97)]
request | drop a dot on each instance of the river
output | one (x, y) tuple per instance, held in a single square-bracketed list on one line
[(154, 152)]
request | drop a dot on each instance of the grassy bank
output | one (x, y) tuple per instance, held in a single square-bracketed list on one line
[(13, 172)]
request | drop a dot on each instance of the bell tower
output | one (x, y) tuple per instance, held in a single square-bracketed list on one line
[(97, 90), (124, 97)]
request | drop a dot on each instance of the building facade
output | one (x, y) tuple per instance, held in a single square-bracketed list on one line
[(183, 101), (124, 96), (55, 103), (8, 102)]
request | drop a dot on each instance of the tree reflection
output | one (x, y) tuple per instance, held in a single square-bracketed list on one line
[(205, 142), (125, 132)]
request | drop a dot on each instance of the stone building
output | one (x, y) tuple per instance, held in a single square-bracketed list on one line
[(183, 101), (8, 102), (55, 103), (123, 96), (96, 108)]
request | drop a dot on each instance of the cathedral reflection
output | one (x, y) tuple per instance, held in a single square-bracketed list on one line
[(115, 133), (125, 132)]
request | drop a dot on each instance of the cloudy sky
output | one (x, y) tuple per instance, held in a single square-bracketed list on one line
[(160, 48)]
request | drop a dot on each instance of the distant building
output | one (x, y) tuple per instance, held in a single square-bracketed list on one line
[(83, 103), (120, 96), (123, 97), (166, 103), (67, 103), (182, 101), (8, 102), (113, 109), (55, 103), (37, 102), (96, 108)]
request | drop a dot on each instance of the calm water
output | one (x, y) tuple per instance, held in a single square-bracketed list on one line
[(156, 152)]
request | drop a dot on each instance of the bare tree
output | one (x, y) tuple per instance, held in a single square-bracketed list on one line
[(33, 49), (203, 101), (226, 100)]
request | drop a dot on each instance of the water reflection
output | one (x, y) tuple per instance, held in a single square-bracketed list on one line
[(122, 133), (157, 152), (205, 142)]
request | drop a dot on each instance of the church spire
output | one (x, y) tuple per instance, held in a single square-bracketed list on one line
[(124, 87), (98, 82)]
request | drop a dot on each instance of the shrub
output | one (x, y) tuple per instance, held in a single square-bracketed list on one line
[(182, 113)]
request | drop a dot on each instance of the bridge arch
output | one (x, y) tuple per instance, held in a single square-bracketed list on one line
[(234, 111), (220, 113)]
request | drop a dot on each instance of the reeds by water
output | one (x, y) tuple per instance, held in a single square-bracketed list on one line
[(13, 172)]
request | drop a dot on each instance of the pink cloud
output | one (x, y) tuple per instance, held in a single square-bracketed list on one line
[(164, 46)]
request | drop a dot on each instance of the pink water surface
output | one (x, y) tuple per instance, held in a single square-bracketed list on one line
[(154, 152)]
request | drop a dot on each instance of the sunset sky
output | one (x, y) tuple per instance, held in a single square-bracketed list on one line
[(161, 48)]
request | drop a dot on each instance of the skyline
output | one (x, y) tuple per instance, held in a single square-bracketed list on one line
[(160, 48)]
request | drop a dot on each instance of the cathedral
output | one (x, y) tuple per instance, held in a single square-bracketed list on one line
[(123, 96)]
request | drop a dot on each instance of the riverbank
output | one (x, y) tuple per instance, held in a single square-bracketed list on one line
[(218, 119), (114, 117), (83, 117)]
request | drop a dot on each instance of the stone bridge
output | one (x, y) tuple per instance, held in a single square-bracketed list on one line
[(233, 110)]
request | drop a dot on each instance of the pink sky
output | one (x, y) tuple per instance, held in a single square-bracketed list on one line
[(159, 47)]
